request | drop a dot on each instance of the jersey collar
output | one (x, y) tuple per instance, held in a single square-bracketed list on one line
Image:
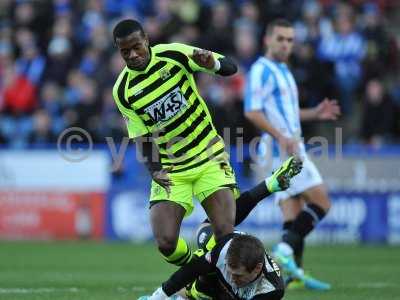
[(151, 61), (278, 63)]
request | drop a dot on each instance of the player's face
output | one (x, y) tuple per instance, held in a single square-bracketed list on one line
[(134, 49), (241, 277), (280, 43)]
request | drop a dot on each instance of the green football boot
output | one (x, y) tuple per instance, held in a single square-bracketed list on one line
[(280, 179)]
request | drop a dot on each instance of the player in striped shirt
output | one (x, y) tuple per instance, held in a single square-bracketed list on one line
[(272, 104), (157, 94)]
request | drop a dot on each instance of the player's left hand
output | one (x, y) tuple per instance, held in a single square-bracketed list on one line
[(203, 58), (328, 110)]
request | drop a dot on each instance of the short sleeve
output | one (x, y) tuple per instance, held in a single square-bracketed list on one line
[(259, 86)]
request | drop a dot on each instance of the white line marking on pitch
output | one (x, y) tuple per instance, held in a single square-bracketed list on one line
[(375, 285), (38, 290)]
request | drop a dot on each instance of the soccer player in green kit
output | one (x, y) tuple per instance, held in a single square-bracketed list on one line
[(157, 95)]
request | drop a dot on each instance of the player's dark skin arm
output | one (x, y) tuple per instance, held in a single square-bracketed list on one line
[(205, 59)]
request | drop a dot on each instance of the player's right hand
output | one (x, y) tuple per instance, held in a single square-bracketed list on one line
[(162, 178), (288, 146), (203, 58)]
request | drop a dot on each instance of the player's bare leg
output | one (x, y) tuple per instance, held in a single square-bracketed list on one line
[(221, 209), (166, 218), (291, 208), (318, 195)]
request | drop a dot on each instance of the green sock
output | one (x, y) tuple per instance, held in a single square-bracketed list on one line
[(182, 254)]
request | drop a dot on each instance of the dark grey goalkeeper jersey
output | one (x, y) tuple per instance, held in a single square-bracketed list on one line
[(268, 282)]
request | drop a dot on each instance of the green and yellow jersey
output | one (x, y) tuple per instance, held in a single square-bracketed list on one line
[(163, 100)]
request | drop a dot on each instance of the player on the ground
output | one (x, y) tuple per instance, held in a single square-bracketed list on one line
[(272, 104), (242, 270), (255, 278), (157, 95)]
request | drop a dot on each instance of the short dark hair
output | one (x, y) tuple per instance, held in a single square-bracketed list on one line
[(247, 251), (278, 23), (126, 27)]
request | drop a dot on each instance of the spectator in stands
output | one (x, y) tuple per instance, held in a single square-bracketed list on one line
[(42, 133), (20, 94), (245, 43), (313, 25), (377, 123), (377, 60), (219, 32), (395, 94), (346, 49), (60, 59), (51, 101), (111, 124), (314, 85)]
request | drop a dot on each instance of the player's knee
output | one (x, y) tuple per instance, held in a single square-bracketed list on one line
[(324, 205), (322, 200), (166, 244), (327, 206)]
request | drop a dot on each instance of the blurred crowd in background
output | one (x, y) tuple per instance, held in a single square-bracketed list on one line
[(58, 62)]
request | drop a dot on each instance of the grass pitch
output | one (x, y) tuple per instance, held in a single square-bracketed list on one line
[(98, 271)]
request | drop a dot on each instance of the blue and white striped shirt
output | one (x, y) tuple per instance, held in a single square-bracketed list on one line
[(271, 88)]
